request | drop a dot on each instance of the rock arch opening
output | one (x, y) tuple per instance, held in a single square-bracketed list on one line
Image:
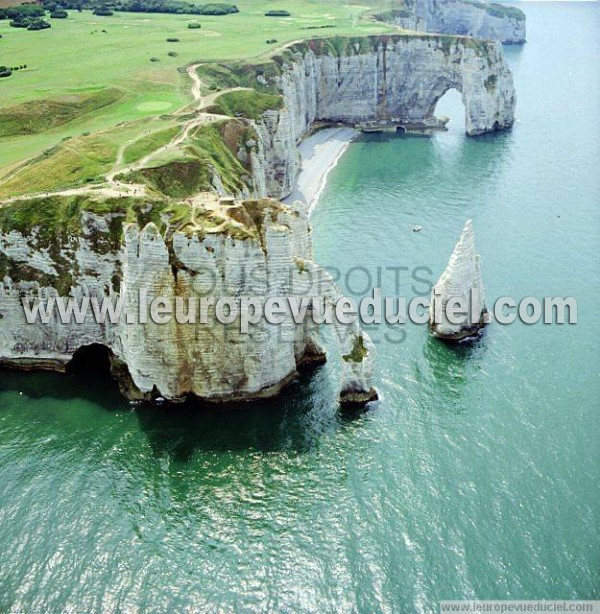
[(450, 105), (91, 361)]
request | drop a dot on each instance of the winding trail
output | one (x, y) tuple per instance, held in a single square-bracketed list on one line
[(112, 187), (192, 71)]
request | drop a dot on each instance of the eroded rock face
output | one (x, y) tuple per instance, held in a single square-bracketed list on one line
[(480, 19), (461, 281), (395, 79), (355, 346), (175, 360)]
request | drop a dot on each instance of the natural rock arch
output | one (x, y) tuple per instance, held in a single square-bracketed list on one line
[(390, 79), (449, 96)]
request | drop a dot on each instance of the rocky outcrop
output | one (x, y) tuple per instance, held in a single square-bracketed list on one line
[(355, 346), (395, 80), (480, 19), (462, 285), (84, 246), (256, 249)]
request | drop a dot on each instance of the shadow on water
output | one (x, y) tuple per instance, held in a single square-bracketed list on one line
[(421, 156), (88, 378), (292, 422), (452, 366)]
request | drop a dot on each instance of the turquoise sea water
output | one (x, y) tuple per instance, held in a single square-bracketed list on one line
[(476, 476)]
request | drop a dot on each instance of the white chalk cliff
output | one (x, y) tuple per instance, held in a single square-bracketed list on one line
[(175, 360), (477, 18), (87, 246), (460, 284), (394, 80)]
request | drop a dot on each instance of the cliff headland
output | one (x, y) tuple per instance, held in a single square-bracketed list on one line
[(167, 223)]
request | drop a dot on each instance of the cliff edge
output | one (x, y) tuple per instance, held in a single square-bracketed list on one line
[(476, 18), (162, 226)]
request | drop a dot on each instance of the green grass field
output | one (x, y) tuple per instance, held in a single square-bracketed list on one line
[(78, 160), (75, 58)]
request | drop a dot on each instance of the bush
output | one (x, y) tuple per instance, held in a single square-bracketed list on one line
[(218, 8), (23, 11), (59, 14), (37, 24), (31, 23), (172, 54), (103, 12), (327, 25), (278, 13), (194, 25), (155, 59), (270, 41), (101, 7), (172, 40)]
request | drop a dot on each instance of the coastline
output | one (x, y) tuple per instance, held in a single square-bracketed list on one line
[(319, 152)]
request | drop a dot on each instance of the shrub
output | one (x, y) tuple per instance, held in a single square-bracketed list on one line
[(270, 41), (59, 14), (194, 25), (103, 12), (173, 54), (177, 7), (218, 8), (38, 24), (24, 10), (155, 59), (31, 23), (172, 40), (278, 13), (327, 25)]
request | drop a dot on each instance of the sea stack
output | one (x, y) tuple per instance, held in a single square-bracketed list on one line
[(461, 286), (357, 375)]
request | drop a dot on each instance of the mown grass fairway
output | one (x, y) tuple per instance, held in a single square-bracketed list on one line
[(86, 53)]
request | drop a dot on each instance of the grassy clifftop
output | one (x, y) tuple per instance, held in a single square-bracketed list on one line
[(262, 76), (213, 148), (499, 10), (86, 54), (33, 117), (250, 104)]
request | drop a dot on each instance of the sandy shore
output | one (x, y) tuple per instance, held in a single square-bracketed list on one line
[(320, 152)]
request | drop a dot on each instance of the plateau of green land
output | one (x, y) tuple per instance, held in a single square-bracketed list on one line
[(99, 90)]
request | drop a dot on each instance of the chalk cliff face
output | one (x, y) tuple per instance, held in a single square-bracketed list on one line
[(460, 281), (93, 246), (268, 254), (396, 80), (484, 20), (174, 360)]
